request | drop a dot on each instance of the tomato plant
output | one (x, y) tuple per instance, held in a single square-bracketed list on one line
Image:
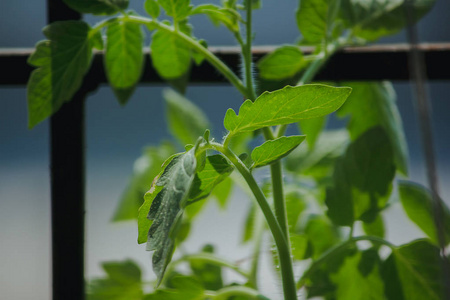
[(331, 181)]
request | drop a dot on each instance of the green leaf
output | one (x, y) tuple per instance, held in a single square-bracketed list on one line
[(208, 274), (362, 179), (282, 63), (123, 281), (98, 7), (177, 9), (312, 129), (316, 19), (186, 121), (372, 20), (375, 228), (374, 104), (299, 246), (145, 169), (321, 233), (216, 169), (352, 284), (274, 150), (249, 226), (285, 106), (414, 271), (170, 56), (124, 56), (295, 205), (152, 8), (62, 62), (417, 202), (168, 198), (228, 17), (319, 162), (184, 288), (223, 191)]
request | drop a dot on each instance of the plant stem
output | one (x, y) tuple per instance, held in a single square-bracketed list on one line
[(247, 52), (227, 292), (336, 250), (212, 259), (189, 41), (259, 233), (284, 252)]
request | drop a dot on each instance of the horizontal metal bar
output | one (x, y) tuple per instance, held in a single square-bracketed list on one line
[(377, 62)]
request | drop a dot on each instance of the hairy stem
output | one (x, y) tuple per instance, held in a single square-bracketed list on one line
[(336, 251), (284, 251)]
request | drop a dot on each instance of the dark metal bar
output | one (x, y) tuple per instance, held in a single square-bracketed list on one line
[(67, 185), (379, 62)]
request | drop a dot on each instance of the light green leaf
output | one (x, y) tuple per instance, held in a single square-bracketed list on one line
[(216, 169), (374, 104), (210, 275), (373, 19), (285, 106), (249, 226), (186, 121), (414, 271), (417, 202), (321, 233), (168, 198), (362, 179), (98, 7), (375, 228), (170, 56), (228, 17), (124, 56), (316, 19), (184, 288), (177, 9), (223, 191), (274, 150), (312, 129), (152, 8), (319, 162), (299, 246), (295, 205), (62, 62), (123, 281), (352, 284), (145, 169), (282, 63)]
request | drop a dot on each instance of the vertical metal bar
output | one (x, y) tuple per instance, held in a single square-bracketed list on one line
[(67, 186), (423, 106)]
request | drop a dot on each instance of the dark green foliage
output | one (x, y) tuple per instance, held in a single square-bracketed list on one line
[(208, 274), (362, 179)]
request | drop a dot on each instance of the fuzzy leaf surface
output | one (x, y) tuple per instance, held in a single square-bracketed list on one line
[(414, 271), (124, 56), (285, 106), (362, 179), (374, 104), (274, 150), (62, 61), (373, 19), (98, 7), (186, 120), (216, 169), (316, 18), (282, 63), (168, 198), (123, 281), (418, 205), (170, 56), (145, 169)]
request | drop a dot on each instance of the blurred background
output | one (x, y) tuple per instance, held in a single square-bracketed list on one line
[(116, 135)]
